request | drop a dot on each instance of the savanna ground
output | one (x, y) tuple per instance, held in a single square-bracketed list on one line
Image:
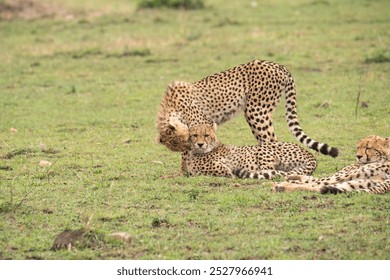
[(80, 86)]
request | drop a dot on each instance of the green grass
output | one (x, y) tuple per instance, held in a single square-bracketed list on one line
[(82, 92)]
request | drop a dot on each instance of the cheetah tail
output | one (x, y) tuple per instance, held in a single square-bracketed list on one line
[(264, 174), (295, 128), (332, 190)]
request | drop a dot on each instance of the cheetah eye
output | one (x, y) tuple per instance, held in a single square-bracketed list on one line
[(206, 135), (195, 135)]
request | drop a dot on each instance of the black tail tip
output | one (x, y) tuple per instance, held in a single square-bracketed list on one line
[(329, 151), (332, 190), (334, 152), (237, 172)]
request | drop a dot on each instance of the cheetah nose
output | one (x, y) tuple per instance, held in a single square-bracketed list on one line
[(200, 145), (359, 157)]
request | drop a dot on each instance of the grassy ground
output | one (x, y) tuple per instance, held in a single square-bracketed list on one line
[(80, 87)]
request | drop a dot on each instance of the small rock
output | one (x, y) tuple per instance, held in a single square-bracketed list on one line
[(45, 163), (13, 130), (124, 236)]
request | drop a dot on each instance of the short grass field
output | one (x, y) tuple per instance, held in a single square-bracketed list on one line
[(80, 86)]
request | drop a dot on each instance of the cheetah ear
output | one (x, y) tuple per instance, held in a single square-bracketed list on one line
[(387, 142), (171, 126), (175, 124), (211, 122), (382, 142), (159, 140), (170, 87), (174, 84)]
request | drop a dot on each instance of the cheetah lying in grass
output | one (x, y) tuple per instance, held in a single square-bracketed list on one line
[(206, 156), (371, 174)]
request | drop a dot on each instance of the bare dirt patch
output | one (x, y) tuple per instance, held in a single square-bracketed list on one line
[(32, 9)]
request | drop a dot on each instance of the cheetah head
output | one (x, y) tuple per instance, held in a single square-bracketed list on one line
[(203, 138), (373, 149), (175, 136)]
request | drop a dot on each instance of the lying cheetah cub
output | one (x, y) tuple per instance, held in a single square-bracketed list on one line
[(371, 174), (206, 156)]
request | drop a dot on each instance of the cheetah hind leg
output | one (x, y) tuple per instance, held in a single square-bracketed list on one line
[(267, 132), (360, 185)]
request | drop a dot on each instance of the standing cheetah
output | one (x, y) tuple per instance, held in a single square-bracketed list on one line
[(255, 88)]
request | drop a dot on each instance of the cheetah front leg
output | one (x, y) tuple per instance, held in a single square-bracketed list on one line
[(261, 126), (291, 187), (217, 168), (223, 169)]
